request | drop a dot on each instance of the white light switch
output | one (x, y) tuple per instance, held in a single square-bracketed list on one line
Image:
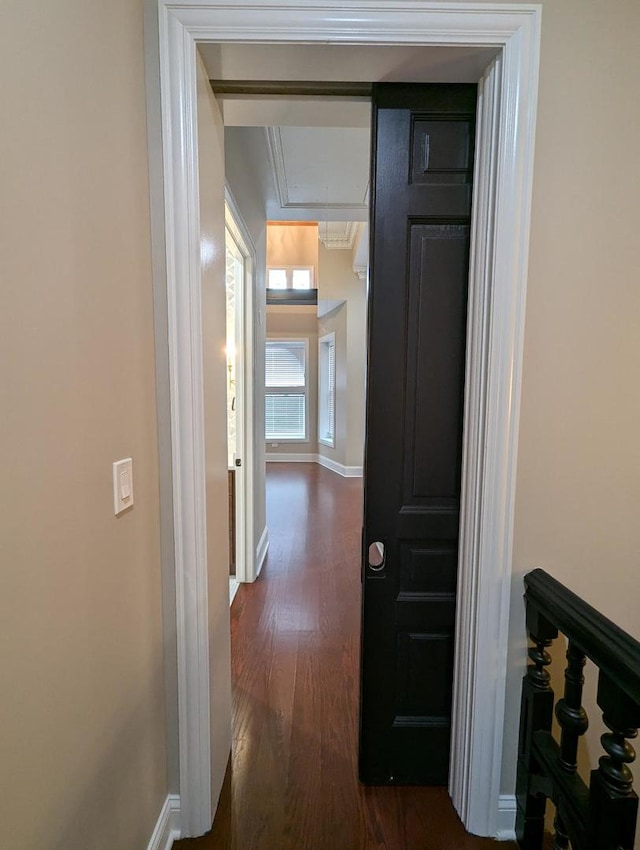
[(122, 485)]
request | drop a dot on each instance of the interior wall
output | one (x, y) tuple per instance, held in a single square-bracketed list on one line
[(338, 281), (293, 245), (297, 322), (82, 719), (213, 279), (578, 476), (246, 165)]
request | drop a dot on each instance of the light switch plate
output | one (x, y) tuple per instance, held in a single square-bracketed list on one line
[(122, 485)]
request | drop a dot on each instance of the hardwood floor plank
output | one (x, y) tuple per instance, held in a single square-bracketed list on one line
[(292, 781)]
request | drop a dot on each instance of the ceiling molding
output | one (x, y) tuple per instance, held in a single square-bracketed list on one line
[(277, 160), (338, 234), (276, 157)]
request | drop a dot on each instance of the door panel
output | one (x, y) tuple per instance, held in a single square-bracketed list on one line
[(422, 163)]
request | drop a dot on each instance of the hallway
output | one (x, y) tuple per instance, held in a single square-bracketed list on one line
[(292, 782)]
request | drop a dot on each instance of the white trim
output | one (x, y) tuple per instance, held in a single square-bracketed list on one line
[(335, 241), (341, 469), (291, 457), (489, 466), (182, 225), (326, 378), (506, 830), (167, 828), (245, 569), (310, 457), (261, 550), (279, 170)]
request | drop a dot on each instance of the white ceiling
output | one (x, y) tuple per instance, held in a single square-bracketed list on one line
[(317, 149), (323, 171), (346, 63)]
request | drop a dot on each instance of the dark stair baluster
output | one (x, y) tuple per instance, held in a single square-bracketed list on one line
[(535, 715), (573, 722), (613, 802)]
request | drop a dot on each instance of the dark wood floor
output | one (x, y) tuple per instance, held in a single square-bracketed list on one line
[(292, 782)]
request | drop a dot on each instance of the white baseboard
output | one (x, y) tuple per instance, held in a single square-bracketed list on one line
[(341, 469), (261, 550), (506, 818), (167, 828), (291, 457), (308, 457)]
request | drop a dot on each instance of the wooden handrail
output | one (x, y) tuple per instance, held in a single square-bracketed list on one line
[(609, 647), (602, 815)]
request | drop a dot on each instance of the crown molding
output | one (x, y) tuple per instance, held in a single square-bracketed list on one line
[(276, 159), (344, 240)]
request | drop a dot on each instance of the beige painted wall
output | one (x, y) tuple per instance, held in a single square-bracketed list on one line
[(212, 240), (337, 280), (298, 322), (578, 484), (293, 245), (81, 713)]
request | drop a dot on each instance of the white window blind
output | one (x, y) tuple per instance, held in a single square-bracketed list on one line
[(327, 389), (285, 390)]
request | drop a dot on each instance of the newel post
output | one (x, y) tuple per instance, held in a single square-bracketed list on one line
[(536, 712)]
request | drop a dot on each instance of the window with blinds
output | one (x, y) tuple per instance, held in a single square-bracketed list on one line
[(286, 389), (327, 389)]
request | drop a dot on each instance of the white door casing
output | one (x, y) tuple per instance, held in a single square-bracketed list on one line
[(245, 547), (504, 164)]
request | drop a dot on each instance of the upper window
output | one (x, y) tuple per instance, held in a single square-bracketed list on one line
[(327, 389), (290, 277), (286, 389)]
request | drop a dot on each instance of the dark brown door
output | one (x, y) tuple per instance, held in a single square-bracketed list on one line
[(423, 142)]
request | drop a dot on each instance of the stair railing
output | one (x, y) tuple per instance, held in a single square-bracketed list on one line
[(602, 815)]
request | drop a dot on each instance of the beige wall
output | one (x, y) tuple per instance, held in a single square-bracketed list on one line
[(81, 712), (212, 238), (338, 281), (578, 484), (293, 245), (298, 322)]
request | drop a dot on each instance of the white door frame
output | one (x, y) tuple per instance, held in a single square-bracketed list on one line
[(502, 199), (245, 344)]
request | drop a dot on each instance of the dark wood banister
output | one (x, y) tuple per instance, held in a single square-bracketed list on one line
[(607, 645), (603, 814)]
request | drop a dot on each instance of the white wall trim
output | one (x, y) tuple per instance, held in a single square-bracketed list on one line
[(279, 170), (238, 226), (506, 830), (167, 828), (341, 469), (487, 521), (291, 457), (309, 457), (261, 550)]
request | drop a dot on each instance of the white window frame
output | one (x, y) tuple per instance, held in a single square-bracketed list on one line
[(283, 389), (325, 343), (289, 270)]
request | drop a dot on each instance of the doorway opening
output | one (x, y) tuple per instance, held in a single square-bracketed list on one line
[(499, 262)]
